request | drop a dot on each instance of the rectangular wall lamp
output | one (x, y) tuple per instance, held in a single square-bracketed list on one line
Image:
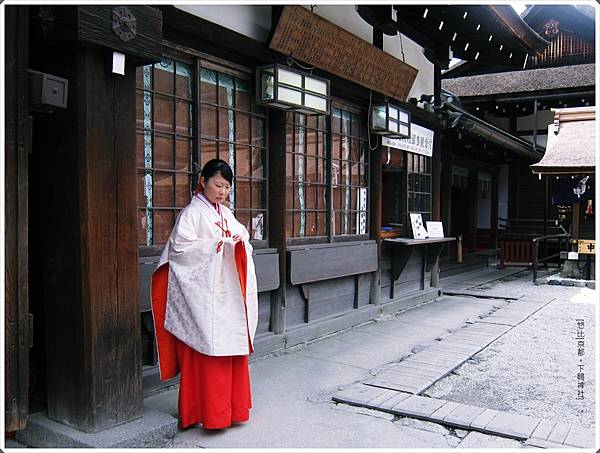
[(281, 87), (390, 120)]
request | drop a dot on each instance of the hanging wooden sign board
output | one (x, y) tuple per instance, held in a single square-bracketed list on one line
[(305, 36)]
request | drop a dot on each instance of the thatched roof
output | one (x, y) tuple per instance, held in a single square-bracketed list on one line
[(522, 81), (571, 148)]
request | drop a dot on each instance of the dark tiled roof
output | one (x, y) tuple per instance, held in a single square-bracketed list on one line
[(522, 81)]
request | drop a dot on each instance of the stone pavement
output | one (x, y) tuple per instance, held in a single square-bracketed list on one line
[(391, 390), (293, 390), (421, 370)]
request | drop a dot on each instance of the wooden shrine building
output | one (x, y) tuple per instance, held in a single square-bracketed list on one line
[(109, 107)]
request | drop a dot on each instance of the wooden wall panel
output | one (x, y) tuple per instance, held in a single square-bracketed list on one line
[(330, 297), (264, 313), (364, 292), (294, 306), (326, 261)]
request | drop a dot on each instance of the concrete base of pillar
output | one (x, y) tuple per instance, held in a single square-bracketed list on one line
[(154, 429)]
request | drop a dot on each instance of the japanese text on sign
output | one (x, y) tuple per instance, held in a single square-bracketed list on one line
[(580, 338), (420, 141), (587, 247), (308, 37)]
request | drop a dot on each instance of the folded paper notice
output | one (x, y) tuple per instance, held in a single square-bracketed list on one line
[(435, 229), (419, 231)]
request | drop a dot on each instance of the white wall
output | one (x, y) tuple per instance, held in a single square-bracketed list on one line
[(254, 21)]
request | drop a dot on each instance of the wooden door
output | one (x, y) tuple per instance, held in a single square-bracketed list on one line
[(18, 145)]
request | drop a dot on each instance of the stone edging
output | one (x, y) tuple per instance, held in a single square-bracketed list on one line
[(533, 430), (566, 282)]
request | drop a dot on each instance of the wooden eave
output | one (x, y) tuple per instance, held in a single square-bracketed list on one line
[(569, 17), (509, 18), (467, 30)]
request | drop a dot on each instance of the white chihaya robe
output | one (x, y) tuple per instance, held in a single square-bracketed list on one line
[(205, 305)]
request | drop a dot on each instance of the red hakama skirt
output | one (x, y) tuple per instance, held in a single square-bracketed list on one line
[(213, 390)]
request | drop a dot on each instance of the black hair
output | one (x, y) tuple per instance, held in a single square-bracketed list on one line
[(214, 166)]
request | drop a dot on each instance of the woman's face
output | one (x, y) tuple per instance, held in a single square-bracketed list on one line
[(216, 188)]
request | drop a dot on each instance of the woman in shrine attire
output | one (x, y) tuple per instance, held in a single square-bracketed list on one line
[(204, 303)]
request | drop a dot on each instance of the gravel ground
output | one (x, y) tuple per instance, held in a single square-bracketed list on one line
[(532, 369)]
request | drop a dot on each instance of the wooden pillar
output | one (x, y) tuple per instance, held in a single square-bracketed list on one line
[(376, 194), (92, 316), (575, 221), (436, 168), (88, 202), (514, 179), (277, 214), (473, 188), (446, 196), (494, 213), (376, 170), (436, 177), (16, 254)]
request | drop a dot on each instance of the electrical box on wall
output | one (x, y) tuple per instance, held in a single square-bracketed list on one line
[(47, 92)]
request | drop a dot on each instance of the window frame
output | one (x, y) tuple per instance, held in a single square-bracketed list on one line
[(198, 61), (220, 66), (330, 237), (186, 59), (361, 112), (405, 230), (428, 164)]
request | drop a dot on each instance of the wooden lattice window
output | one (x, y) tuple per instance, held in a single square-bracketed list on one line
[(349, 172), (233, 129), (164, 146), (316, 171), (306, 176), (186, 116), (419, 184)]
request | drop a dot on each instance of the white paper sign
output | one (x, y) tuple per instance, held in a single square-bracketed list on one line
[(420, 141), (419, 231), (435, 229)]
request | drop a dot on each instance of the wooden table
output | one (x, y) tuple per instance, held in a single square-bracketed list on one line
[(402, 249)]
